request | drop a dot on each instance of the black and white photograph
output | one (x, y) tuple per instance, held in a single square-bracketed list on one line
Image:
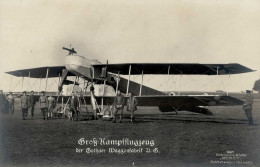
[(138, 83)]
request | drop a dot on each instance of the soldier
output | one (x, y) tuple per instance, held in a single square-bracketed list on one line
[(131, 105), (32, 103), (248, 107), (11, 103), (74, 106), (24, 105), (119, 105), (51, 106), (2, 102), (43, 103)]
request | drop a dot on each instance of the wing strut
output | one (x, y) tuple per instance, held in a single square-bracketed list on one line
[(128, 80), (59, 84), (102, 99), (140, 93), (74, 84), (84, 90), (117, 81), (28, 84), (22, 82), (11, 83), (46, 80), (59, 93), (168, 79), (40, 85), (180, 85)]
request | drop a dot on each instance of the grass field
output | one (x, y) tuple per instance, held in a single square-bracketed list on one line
[(186, 139)]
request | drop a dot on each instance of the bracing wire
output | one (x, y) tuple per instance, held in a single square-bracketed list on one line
[(33, 85), (54, 82)]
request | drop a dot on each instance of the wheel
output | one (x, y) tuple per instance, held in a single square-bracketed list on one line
[(59, 115), (99, 117), (107, 113), (67, 113)]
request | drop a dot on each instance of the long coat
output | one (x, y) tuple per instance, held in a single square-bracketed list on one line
[(31, 100), (132, 103), (248, 105), (24, 102)]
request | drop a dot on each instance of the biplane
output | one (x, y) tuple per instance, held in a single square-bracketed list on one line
[(106, 79)]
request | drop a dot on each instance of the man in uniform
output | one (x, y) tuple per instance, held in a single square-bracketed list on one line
[(119, 105), (24, 105), (2, 102), (11, 103), (131, 105), (51, 106), (43, 103), (74, 105), (32, 103), (248, 106)]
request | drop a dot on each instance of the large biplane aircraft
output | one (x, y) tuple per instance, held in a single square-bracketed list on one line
[(106, 80)]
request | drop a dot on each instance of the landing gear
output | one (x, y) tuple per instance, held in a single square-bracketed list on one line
[(105, 114), (97, 115), (108, 113)]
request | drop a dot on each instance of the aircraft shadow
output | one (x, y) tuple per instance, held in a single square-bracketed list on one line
[(200, 120), (142, 120)]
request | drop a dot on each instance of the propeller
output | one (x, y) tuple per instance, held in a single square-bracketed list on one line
[(71, 51)]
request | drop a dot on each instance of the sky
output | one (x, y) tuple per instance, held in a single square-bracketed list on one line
[(33, 32)]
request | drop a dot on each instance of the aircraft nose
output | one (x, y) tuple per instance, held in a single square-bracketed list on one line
[(78, 65)]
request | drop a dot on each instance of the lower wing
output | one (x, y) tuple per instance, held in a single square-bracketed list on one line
[(164, 100)]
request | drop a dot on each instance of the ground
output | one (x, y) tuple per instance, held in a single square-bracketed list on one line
[(186, 139)]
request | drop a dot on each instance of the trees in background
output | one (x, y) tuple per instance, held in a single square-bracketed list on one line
[(257, 86)]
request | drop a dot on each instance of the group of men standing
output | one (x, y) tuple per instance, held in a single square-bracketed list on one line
[(46, 105), (119, 106), (27, 103)]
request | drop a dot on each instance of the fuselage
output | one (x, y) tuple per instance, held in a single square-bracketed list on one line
[(81, 66)]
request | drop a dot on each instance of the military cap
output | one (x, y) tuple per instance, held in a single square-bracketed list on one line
[(248, 91)]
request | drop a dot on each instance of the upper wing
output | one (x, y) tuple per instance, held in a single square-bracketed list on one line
[(54, 71), (185, 69)]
